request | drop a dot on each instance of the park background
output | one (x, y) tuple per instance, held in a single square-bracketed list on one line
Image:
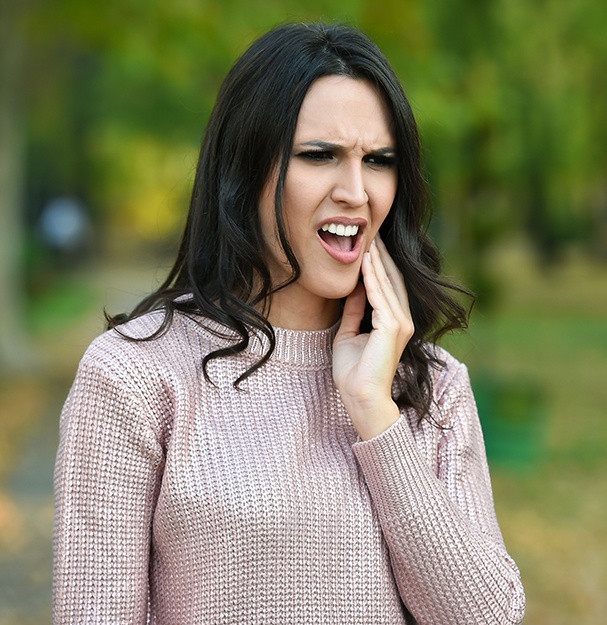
[(101, 112)]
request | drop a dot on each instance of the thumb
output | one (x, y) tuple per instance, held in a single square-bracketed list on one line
[(352, 315)]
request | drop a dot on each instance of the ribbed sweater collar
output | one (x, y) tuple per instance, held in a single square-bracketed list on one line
[(309, 349), (303, 348)]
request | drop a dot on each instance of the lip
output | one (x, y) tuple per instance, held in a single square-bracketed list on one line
[(346, 221), (342, 256)]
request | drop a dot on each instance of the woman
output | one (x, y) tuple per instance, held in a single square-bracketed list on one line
[(270, 437)]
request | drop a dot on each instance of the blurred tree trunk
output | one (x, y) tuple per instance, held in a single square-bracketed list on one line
[(15, 350)]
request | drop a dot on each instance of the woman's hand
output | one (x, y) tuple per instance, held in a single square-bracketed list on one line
[(364, 365)]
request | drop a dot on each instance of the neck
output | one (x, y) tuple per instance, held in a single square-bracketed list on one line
[(287, 312)]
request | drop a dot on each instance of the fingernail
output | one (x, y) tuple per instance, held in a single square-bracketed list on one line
[(373, 243)]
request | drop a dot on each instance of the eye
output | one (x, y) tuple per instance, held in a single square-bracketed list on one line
[(316, 156), (380, 160)]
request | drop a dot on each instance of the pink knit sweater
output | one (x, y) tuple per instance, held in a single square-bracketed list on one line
[(179, 502)]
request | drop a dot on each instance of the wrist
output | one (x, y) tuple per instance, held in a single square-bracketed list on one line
[(372, 420)]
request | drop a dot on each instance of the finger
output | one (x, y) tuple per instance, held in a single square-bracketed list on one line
[(394, 274), (397, 305), (385, 312), (352, 315), (388, 288)]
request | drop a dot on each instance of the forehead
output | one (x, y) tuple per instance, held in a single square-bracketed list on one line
[(345, 110)]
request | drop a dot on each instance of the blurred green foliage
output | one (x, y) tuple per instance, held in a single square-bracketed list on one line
[(510, 95)]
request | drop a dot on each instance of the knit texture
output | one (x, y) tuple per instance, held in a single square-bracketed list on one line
[(184, 502)]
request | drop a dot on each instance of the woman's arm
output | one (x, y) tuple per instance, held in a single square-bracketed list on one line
[(446, 548), (447, 551), (106, 478)]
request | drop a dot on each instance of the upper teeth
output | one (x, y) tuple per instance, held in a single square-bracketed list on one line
[(341, 230)]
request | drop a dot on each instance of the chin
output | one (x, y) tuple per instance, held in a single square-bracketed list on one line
[(338, 291)]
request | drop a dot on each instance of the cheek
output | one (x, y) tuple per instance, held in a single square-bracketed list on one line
[(305, 189), (267, 221), (275, 255), (389, 197), (384, 206), (267, 212), (301, 198)]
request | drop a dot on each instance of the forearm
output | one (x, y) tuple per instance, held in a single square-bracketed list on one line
[(447, 569)]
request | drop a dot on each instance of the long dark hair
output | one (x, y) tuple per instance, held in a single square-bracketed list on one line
[(221, 261)]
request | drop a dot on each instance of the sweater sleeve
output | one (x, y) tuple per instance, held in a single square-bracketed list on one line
[(445, 545), (106, 478)]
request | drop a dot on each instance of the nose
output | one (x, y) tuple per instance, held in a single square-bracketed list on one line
[(349, 187)]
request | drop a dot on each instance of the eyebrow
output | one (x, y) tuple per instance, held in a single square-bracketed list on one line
[(325, 145)]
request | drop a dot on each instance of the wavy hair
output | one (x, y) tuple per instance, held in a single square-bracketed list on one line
[(221, 262)]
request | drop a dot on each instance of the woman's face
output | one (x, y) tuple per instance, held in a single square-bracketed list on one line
[(340, 185)]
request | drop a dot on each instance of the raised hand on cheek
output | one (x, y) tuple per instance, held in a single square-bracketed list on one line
[(364, 365)]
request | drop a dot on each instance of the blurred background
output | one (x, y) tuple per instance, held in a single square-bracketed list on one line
[(102, 108)]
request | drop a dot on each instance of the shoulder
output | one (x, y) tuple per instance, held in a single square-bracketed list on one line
[(447, 371), (143, 350), (128, 343), (134, 367), (147, 338), (453, 400)]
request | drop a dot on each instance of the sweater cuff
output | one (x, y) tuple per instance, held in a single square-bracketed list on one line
[(392, 464)]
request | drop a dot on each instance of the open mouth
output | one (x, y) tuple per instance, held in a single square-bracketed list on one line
[(339, 237)]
